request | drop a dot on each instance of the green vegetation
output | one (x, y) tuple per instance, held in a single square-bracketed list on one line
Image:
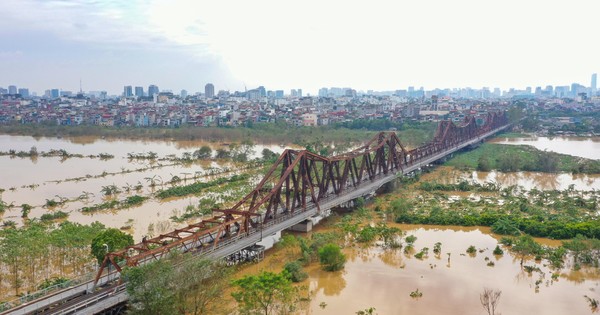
[(554, 214), (109, 240), (41, 254), (62, 153), (266, 293), (195, 188), (471, 250), (295, 272), (178, 284), (331, 257), (128, 202), (416, 294), (57, 215), (511, 158)]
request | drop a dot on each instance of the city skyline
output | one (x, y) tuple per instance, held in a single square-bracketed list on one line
[(383, 46)]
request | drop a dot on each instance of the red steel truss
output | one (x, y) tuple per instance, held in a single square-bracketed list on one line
[(300, 179)]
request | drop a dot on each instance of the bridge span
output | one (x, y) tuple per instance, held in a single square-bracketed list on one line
[(300, 185)]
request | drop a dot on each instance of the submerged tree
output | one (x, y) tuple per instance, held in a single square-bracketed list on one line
[(489, 300)]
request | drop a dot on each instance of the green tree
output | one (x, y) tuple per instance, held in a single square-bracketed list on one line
[(111, 240), (151, 289), (265, 293), (205, 152), (331, 257), (526, 245), (295, 272), (268, 155), (483, 164)]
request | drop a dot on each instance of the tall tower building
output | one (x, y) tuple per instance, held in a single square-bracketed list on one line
[(127, 91), (152, 90), (24, 92), (12, 89), (593, 86), (209, 90), (139, 91)]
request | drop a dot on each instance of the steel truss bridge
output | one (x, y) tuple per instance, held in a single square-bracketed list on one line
[(298, 186)]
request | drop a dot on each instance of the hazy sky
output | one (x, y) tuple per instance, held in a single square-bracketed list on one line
[(308, 44)]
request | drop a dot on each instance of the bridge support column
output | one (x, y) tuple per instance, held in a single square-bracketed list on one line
[(304, 226)]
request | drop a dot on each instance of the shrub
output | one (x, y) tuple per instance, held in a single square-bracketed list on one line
[(295, 272), (331, 257)]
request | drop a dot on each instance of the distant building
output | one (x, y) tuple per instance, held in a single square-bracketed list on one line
[(593, 85), (152, 90), (183, 94), (323, 92), (279, 94), (139, 91), (209, 90), (127, 91), (55, 93), (24, 92), (12, 89), (299, 92), (262, 90)]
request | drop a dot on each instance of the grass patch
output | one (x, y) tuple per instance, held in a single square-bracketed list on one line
[(507, 158)]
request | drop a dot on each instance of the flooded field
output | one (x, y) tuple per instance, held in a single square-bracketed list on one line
[(588, 147), (34, 181), (527, 180), (451, 282)]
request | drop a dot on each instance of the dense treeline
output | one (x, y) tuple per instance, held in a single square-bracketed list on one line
[(39, 254)]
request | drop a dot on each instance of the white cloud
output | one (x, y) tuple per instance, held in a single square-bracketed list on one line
[(367, 45)]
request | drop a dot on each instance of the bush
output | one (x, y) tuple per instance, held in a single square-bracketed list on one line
[(471, 250), (498, 251), (295, 272), (331, 257)]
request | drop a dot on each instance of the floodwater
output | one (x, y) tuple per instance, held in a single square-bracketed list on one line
[(588, 147), (33, 181), (527, 180), (384, 279)]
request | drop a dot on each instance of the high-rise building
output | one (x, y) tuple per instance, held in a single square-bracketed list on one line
[(12, 89), (183, 94), (127, 91), (209, 90), (24, 92), (55, 93), (299, 92), (152, 90), (279, 94), (262, 90), (139, 91), (323, 92), (593, 86)]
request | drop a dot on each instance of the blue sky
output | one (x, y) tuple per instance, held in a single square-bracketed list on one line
[(282, 44)]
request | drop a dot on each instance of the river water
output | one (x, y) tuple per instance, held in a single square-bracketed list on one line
[(33, 181), (577, 146), (384, 279)]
